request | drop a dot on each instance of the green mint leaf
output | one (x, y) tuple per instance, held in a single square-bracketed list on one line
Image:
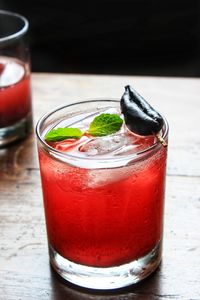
[(60, 134), (105, 124)]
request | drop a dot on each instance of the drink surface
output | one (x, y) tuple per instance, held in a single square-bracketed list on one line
[(104, 217), (15, 94)]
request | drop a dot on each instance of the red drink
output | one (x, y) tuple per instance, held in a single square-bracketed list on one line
[(106, 225), (103, 199), (15, 94)]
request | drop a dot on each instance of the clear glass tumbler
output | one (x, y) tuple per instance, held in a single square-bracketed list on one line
[(15, 90), (104, 210)]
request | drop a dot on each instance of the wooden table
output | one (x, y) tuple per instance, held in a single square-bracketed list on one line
[(24, 269)]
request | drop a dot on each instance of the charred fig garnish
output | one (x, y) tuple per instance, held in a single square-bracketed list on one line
[(140, 117)]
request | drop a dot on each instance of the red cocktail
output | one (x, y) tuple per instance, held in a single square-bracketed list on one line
[(103, 199), (15, 93)]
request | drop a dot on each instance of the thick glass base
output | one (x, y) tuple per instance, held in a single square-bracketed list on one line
[(106, 278), (15, 132)]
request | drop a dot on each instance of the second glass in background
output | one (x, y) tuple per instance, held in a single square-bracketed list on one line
[(15, 90)]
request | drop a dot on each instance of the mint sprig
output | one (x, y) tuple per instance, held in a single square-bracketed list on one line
[(102, 125), (60, 134), (105, 124)]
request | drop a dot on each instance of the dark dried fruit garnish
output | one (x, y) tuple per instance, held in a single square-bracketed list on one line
[(140, 117)]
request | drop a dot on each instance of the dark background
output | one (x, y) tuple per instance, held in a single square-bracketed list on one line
[(136, 37)]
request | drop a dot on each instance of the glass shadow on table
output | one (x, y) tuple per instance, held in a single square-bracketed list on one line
[(17, 159), (149, 287)]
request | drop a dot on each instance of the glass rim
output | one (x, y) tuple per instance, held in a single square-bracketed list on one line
[(18, 33), (130, 157)]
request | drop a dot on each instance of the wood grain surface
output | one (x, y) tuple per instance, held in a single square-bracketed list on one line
[(25, 273)]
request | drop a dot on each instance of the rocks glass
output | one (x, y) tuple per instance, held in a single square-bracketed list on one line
[(15, 90), (103, 199)]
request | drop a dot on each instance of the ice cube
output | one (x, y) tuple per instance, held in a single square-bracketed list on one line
[(84, 119), (80, 121), (101, 177), (106, 144), (125, 145), (11, 73), (68, 145)]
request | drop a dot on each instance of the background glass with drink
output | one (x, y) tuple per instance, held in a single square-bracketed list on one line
[(15, 90)]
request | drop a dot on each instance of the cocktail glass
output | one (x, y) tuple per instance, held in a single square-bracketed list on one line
[(104, 211), (15, 91)]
